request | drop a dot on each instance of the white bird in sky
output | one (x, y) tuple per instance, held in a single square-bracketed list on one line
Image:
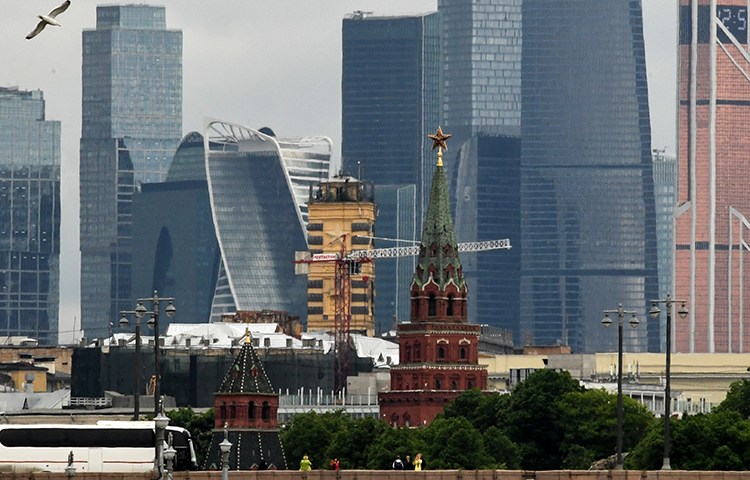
[(48, 19)]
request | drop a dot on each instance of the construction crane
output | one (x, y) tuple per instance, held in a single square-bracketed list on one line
[(348, 264)]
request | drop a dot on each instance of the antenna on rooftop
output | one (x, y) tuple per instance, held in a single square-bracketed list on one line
[(360, 14)]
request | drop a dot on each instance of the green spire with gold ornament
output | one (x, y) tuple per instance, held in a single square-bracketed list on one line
[(438, 251)]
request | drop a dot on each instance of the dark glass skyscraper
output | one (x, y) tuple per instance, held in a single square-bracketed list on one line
[(390, 101), (29, 217), (587, 191), (132, 123), (177, 246), (488, 207)]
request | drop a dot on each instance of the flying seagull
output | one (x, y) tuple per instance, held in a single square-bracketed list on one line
[(48, 19)]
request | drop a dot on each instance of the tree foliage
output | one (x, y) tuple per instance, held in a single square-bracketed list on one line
[(200, 426)]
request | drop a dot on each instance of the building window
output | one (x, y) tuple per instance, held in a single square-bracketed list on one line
[(251, 411), (462, 353), (450, 305), (407, 353), (417, 352), (441, 353), (432, 306), (232, 410), (265, 412), (438, 384), (223, 411)]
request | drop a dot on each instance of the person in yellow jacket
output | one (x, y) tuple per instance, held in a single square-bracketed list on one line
[(418, 462), (305, 464)]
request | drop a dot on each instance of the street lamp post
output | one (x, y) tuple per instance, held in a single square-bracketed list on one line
[(161, 422), (655, 312), (607, 321), (153, 321), (136, 364), (225, 447)]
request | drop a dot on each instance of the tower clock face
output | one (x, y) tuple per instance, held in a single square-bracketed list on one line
[(733, 17)]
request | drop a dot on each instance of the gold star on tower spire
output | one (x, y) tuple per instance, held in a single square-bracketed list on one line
[(438, 141)]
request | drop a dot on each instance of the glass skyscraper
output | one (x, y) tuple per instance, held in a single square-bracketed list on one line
[(132, 123), (587, 191), (481, 75), (665, 193), (390, 102), (258, 215), (29, 217), (488, 207), (176, 243)]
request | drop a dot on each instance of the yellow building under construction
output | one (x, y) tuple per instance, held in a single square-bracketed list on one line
[(341, 217)]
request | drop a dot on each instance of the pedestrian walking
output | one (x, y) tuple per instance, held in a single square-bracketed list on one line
[(398, 464), (305, 464), (418, 462)]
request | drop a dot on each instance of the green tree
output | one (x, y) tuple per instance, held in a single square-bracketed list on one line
[(311, 434), (531, 418), (737, 399), (454, 443), (505, 453), (200, 426), (483, 410), (588, 420), (648, 454), (391, 442), (350, 444)]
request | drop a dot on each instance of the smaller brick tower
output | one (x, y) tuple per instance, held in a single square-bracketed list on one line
[(438, 348), (247, 405)]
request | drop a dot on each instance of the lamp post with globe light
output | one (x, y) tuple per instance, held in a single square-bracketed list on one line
[(607, 321), (153, 321), (655, 312)]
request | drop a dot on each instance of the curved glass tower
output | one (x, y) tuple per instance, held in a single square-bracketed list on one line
[(587, 191), (255, 183)]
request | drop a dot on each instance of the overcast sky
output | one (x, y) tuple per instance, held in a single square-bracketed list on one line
[(273, 63)]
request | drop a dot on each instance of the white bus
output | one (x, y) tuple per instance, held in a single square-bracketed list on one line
[(108, 446)]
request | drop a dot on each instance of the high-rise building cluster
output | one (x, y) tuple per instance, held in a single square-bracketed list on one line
[(547, 104)]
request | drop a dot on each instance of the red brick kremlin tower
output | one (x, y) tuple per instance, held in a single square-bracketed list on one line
[(246, 407), (438, 348)]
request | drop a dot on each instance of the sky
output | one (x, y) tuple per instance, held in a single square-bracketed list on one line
[(258, 63)]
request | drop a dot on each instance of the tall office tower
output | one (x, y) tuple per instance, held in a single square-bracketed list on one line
[(258, 215), (665, 194), (132, 123), (390, 101), (488, 207), (177, 247), (587, 192), (29, 217), (481, 84), (714, 192), (396, 205), (342, 216)]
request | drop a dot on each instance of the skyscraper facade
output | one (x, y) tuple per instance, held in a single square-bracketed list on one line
[(587, 191), (258, 216), (488, 207), (481, 75), (665, 193), (29, 217), (132, 123), (390, 100), (176, 241), (711, 218)]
